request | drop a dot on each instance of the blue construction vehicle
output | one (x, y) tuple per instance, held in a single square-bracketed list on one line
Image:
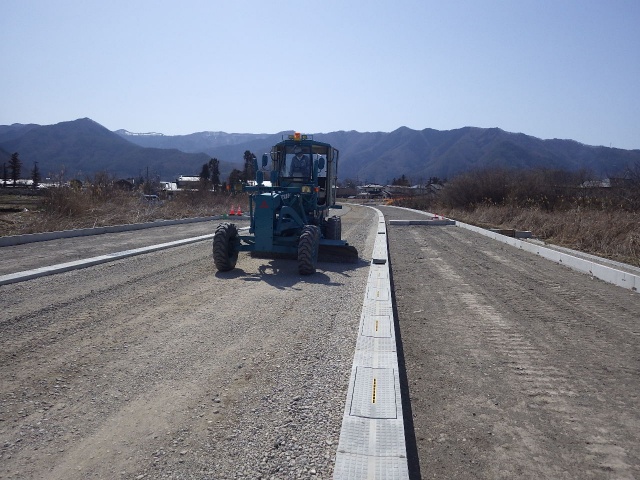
[(290, 211)]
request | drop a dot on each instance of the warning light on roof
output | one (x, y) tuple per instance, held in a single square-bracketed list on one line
[(297, 136)]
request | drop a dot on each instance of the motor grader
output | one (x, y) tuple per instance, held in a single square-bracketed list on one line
[(290, 211)]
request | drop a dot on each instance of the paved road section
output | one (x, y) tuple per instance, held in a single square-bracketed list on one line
[(517, 367)]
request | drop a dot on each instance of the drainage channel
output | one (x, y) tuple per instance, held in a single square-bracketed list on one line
[(372, 443)]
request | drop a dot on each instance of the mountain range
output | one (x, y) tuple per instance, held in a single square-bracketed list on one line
[(83, 147)]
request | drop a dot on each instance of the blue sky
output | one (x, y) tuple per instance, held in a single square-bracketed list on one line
[(551, 69)]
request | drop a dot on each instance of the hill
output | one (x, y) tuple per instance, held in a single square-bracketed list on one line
[(419, 154), (379, 157), (198, 142), (84, 147), (4, 157)]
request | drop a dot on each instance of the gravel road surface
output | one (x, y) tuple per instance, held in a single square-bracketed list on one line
[(157, 366), (516, 367), (42, 254)]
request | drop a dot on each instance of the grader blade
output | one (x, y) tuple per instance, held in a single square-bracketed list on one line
[(338, 254)]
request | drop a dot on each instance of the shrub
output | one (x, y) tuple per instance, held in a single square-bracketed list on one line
[(475, 188)]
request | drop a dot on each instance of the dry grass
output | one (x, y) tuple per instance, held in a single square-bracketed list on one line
[(66, 208), (563, 208), (610, 234), (552, 204), (613, 234)]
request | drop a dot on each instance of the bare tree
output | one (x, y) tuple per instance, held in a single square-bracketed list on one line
[(35, 175), (631, 187), (249, 172), (15, 164), (235, 178), (205, 177), (214, 172)]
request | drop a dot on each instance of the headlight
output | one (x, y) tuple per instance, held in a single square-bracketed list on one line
[(306, 189)]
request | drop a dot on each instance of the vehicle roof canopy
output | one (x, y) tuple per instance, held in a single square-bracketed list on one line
[(303, 143), (302, 140)]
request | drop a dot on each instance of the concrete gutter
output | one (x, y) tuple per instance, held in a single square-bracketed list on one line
[(43, 237), (88, 262), (578, 261), (592, 267), (372, 443)]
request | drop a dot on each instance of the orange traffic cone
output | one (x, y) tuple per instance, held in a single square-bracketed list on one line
[(232, 211), (239, 212)]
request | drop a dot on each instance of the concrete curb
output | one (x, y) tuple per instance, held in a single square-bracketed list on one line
[(88, 262), (594, 268), (43, 237), (597, 270), (434, 223)]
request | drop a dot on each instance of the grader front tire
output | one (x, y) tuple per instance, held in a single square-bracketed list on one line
[(225, 250), (308, 249)]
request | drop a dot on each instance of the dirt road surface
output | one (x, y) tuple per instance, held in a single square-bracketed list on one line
[(42, 254), (157, 366), (516, 367)]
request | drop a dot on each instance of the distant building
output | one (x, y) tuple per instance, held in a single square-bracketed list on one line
[(168, 186), (22, 183), (613, 183), (606, 183), (184, 182), (371, 190)]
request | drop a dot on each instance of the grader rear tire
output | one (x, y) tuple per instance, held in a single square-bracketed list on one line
[(225, 250), (308, 249)]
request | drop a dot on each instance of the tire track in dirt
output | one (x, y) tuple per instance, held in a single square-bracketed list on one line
[(550, 388), (553, 362), (64, 318)]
